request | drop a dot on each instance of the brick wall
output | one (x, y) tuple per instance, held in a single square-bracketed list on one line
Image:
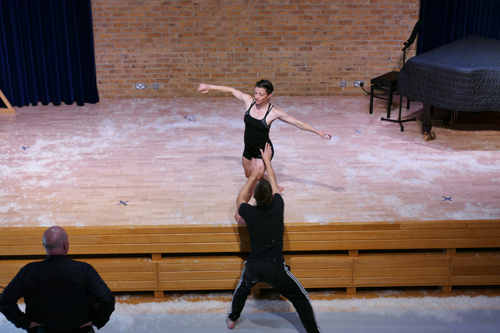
[(305, 47)]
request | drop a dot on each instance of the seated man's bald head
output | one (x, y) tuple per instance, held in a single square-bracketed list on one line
[(55, 239)]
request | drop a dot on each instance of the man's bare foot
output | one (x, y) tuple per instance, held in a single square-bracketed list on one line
[(230, 324), (281, 188)]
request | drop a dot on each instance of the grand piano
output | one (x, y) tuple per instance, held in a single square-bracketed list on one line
[(463, 75)]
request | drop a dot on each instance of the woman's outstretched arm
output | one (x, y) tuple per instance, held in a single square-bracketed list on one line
[(283, 116), (205, 88)]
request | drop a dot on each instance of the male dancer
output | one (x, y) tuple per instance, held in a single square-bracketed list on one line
[(266, 262)]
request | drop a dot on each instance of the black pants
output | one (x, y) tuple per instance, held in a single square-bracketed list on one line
[(280, 278)]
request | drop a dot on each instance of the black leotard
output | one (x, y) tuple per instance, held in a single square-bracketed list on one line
[(256, 134)]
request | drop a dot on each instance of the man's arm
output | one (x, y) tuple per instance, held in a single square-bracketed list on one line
[(103, 296), (252, 180), (271, 177), (8, 303)]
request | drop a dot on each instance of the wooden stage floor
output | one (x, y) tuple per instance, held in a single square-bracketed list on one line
[(142, 162)]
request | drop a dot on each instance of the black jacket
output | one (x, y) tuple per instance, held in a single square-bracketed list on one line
[(59, 293)]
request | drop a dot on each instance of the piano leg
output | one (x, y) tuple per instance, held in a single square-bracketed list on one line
[(427, 123), (427, 118)]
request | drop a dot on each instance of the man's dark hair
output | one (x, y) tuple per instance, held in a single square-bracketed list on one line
[(263, 193), (266, 84)]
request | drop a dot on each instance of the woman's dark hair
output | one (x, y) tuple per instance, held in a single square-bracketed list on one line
[(266, 84), (263, 193)]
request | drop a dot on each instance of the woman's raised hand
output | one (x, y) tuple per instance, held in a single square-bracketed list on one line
[(204, 88)]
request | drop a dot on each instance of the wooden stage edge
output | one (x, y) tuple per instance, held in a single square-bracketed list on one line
[(321, 255)]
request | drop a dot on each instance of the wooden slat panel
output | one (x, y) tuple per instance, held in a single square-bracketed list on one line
[(402, 272), (321, 273), (399, 263), (235, 237), (22, 250), (204, 259), (5, 280), (131, 285), (455, 233), (200, 267), (295, 227), (172, 238), (400, 281), (131, 249), (37, 240), (325, 283), (474, 271), (473, 224), (341, 226), (101, 265), (121, 230), (434, 225), (198, 285), (318, 261), (346, 235), (213, 263), (487, 259), (203, 228), (13, 266), (196, 275), (103, 268), (334, 264), (216, 263), (475, 280), (315, 257), (122, 265), (392, 244), (405, 255), (131, 276), (245, 247)]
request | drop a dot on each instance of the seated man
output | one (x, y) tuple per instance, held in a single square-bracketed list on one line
[(61, 295), (266, 262)]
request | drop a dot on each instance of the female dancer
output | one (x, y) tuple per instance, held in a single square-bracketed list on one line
[(258, 118)]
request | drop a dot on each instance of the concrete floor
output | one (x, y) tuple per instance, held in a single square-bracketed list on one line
[(473, 321)]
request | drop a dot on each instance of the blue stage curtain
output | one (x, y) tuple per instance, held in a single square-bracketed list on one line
[(47, 52), (444, 21)]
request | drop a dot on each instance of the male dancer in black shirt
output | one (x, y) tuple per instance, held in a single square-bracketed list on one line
[(266, 262), (61, 295)]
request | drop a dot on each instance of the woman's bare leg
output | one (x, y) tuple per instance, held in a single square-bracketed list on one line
[(253, 165), (247, 165)]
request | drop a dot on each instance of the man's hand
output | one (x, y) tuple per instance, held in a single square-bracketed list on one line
[(267, 153), (204, 87), (35, 324), (87, 324)]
